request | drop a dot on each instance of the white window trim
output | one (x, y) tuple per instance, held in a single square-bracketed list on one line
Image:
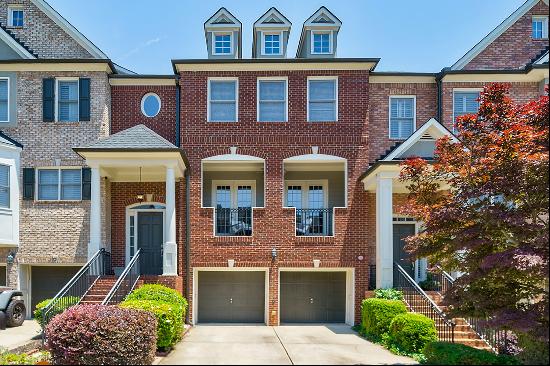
[(305, 184), (59, 169), (236, 80), (310, 78), (265, 33), (461, 90), (57, 80), (222, 33), (8, 81), (143, 102), (271, 78), (330, 37), (12, 8), (544, 20), (413, 97)]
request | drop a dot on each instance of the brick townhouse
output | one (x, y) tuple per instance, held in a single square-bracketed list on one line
[(264, 189)]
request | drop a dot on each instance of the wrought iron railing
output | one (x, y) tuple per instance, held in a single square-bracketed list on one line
[(125, 283), (314, 222), (495, 338), (71, 294), (419, 302), (234, 221)]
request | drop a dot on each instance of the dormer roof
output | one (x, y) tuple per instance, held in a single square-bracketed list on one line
[(273, 18), (271, 21), (322, 19), (223, 20)]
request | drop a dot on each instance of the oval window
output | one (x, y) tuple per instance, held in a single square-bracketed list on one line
[(150, 105)]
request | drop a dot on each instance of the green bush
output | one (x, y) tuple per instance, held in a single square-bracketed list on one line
[(533, 351), (442, 353), (388, 294), (7, 358), (160, 293), (60, 307), (411, 332), (169, 320), (377, 314)]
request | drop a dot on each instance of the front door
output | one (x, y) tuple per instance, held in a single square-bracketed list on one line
[(400, 256), (150, 240)]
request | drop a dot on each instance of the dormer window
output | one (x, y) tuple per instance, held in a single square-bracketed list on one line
[(321, 42), (222, 44), (16, 16), (540, 27), (272, 43)]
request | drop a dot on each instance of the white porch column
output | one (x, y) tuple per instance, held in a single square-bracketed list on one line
[(95, 214), (170, 253), (384, 230)]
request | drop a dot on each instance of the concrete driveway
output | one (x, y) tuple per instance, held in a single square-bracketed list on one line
[(12, 338), (284, 345)]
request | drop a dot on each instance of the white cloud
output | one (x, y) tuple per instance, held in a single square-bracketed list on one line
[(140, 47)]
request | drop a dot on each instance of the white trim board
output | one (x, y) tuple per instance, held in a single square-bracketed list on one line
[(494, 34), (12, 43)]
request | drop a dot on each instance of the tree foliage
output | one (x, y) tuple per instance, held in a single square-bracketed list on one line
[(484, 205)]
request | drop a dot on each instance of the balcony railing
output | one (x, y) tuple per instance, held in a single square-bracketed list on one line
[(234, 221), (314, 222)]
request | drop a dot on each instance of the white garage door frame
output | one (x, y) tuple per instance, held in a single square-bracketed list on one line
[(196, 275), (350, 288)]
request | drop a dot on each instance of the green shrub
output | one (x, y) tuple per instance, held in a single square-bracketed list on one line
[(411, 332), (533, 351), (169, 321), (60, 307), (102, 335), (377, 314), (7, 358), (442, 353), (388, 294), (160, 293)]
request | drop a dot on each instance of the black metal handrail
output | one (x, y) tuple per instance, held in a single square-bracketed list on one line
[(233, 221), (125, 283), (73, 292), (419, 302), (495, 338), (438, 280), (314, 222)]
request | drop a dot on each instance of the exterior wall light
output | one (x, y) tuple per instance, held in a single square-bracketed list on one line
[(10, 258), (274, 253)]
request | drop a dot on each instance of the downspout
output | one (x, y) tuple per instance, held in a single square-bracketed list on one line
[(187, 242), (439, 82), (178, 124)]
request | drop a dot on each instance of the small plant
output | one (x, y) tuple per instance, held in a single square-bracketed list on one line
[(102, 335), (443, 353), (161, 293), (7, 358), (388, 294), (377, 314), (58, 308), (411, 332)]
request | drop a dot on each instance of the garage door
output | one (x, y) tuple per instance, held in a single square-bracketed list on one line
[(231, 297), (313, 297), (3, 276), (47, 281)]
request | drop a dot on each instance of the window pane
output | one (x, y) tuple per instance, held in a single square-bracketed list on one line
[(321, 43), (223, 105), (322, 90), (68, 101), (68, 111), (244, 196), (222, 43), (223, 197), (272, 112), (465, 103), (4, 104), (294, 196), (48, 183), (71, 184), (222, 90), (151, 105), (272, 90), (17, 18), (4, 186), (322, 111), (316, 197), (68, 90), (223, 112)]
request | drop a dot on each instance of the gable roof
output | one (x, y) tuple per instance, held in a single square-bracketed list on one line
[(541, 59), (137, 138), (69, 29), (222, 18), (322, 18), (494, 34), (5, 140), (15, 44), (273, 18)]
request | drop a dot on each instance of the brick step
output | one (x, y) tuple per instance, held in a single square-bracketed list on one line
[(466, 335), (476, 343), (458, 328)]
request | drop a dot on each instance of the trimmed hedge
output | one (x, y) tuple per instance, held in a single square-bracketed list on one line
[(169, 321), (58, 309), (377, 314), (442, 353), (160, 293), (411, 332), (102, 335), (388, 294)]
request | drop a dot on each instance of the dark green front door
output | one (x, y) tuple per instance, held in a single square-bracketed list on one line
[(313, 297), (400, 232), (150, 238)]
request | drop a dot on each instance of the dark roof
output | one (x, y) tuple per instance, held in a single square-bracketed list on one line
[(21, 43), (539, 55), (141, 76), (137, 138), (10, 140)]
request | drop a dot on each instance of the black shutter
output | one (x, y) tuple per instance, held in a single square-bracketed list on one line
[(48, 100), (86, 183), (28, 183), (84, 99)]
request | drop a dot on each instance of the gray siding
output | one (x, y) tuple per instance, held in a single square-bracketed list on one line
[(260, 44), (336, 184), (423, 149), (12, 99), (306, 49), (208, 177), (7, 53)]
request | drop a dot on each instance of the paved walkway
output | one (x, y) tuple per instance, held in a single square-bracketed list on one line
[(285, 345), (11, 338)]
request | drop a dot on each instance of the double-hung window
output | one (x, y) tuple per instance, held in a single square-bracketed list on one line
[(272, 44), (321, 42), (16, 15), (67, 100), (402, 117), (4, 99), (465, 102), (233, 201), (272, 100), (4, 186), (222, 100), (322, 99), (59, 184), (222, 44), (540, 27)]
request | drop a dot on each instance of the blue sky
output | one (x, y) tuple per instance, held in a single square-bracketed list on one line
[(408, 35)]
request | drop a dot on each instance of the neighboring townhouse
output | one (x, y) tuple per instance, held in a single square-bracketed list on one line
[(266, 189)]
